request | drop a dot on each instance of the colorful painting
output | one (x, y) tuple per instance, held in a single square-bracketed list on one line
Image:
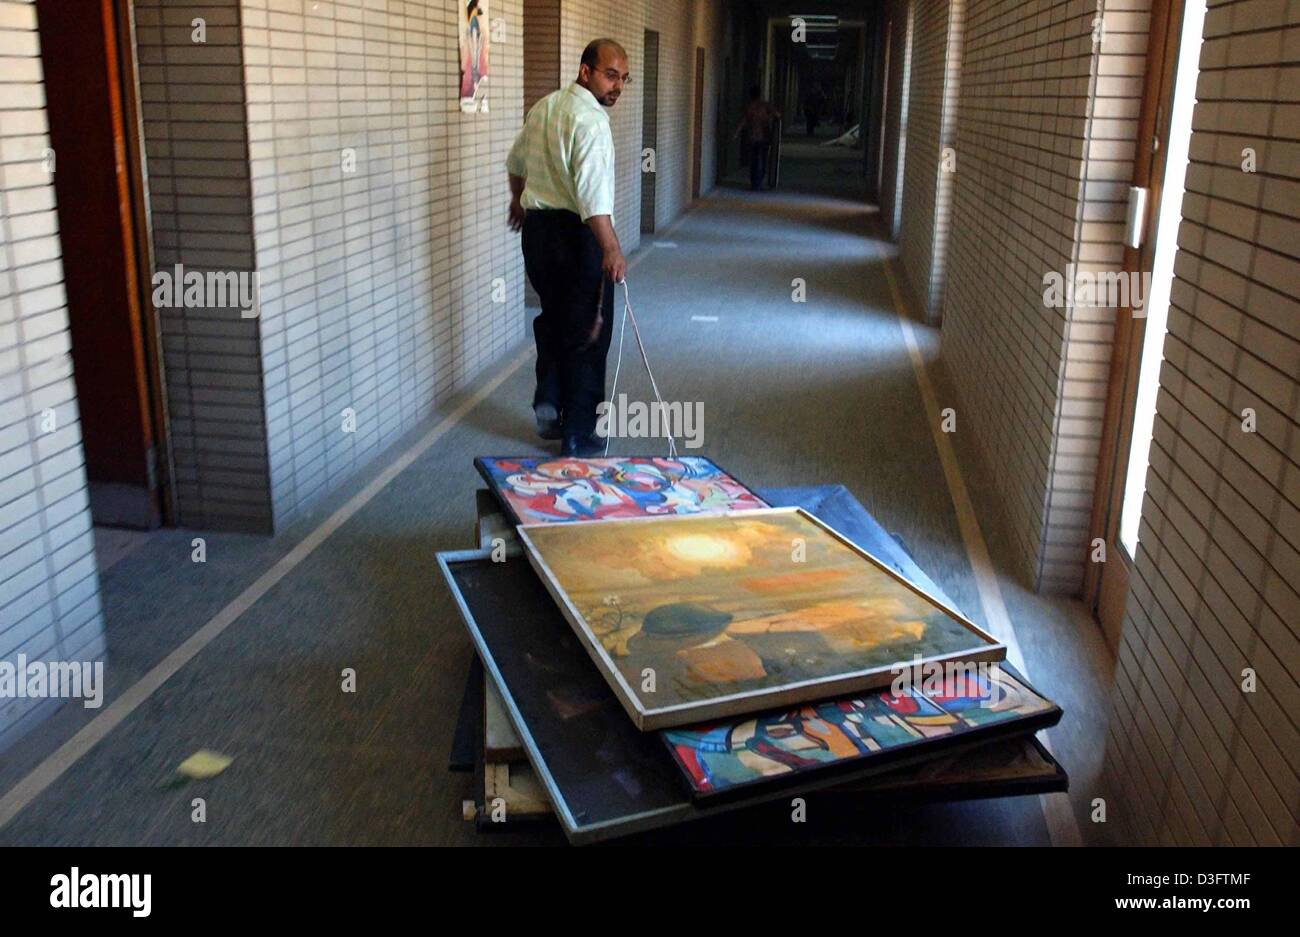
[(549, 490), (695, 617), (984, 698), (473, 55), (716, 759)]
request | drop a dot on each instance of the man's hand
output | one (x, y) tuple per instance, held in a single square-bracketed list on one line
[(614, 265), (517, 213)]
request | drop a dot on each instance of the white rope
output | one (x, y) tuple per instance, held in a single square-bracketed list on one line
[(636, 332), (618, 362)]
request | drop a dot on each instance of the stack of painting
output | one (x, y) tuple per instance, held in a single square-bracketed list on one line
[(748, 649)]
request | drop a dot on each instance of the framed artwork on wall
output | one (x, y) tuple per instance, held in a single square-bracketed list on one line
[(473, 18)]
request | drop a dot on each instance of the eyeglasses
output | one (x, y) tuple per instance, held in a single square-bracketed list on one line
[(613, 75)]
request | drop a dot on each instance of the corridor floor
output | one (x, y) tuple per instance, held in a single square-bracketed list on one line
[(812, 392)]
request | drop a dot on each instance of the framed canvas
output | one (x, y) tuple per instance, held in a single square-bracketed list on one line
[(791, 745), (607, 779), (692, 618), (557, 490)]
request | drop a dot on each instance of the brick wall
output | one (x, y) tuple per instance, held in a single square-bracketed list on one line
[(1192, 758), (1110, 130), (377, 275), (49, 586), (377, 284), (927, 187), (196, 152), (683, 26), (899, 23), (1045, 129), (943, 193)]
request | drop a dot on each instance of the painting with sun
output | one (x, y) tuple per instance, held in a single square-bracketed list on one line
[(696, 617)]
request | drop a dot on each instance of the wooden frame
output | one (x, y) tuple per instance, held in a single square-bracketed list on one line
[(697, 124), (1105, 586), (985, 647), (124, 15)]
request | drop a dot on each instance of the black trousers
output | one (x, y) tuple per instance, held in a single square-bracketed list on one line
[(758, 151), (563, 262)]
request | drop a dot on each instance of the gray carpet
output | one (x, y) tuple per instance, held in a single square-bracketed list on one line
[(793, 393)]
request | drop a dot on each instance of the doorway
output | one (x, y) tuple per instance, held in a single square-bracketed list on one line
[(697, 159), (884, 112), (649, 129), (1164, 135), (541, 42), (904, 95), (815, 75), (92, 103)]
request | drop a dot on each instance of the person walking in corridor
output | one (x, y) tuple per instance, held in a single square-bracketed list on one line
[(561, 169), (813, 105), (756, 127)]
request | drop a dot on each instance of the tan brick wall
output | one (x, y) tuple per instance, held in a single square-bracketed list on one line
[(1045, 130), (1192, 758), (927, 187), (196, 154), (377, 284), (1106, 172), (49, 585), (898, 91)]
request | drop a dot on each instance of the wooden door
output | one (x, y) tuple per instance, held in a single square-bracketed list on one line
[(541, 43)]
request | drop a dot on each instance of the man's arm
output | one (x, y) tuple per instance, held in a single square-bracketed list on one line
[(593, 177), (613, 264), (517, 211), (517, 168)]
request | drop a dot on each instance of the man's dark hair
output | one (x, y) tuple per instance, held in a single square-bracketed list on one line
[(755, 92), (591, 54)]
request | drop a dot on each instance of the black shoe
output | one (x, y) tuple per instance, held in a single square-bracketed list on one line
[(548, 421), (582, 447)]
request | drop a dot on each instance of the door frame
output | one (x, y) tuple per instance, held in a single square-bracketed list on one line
[(1106, 583), (882, 142), (697, 158), (649, 126), (141, 223), (116, 351)]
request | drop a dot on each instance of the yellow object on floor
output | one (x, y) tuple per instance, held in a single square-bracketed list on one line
[(204, 764)]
